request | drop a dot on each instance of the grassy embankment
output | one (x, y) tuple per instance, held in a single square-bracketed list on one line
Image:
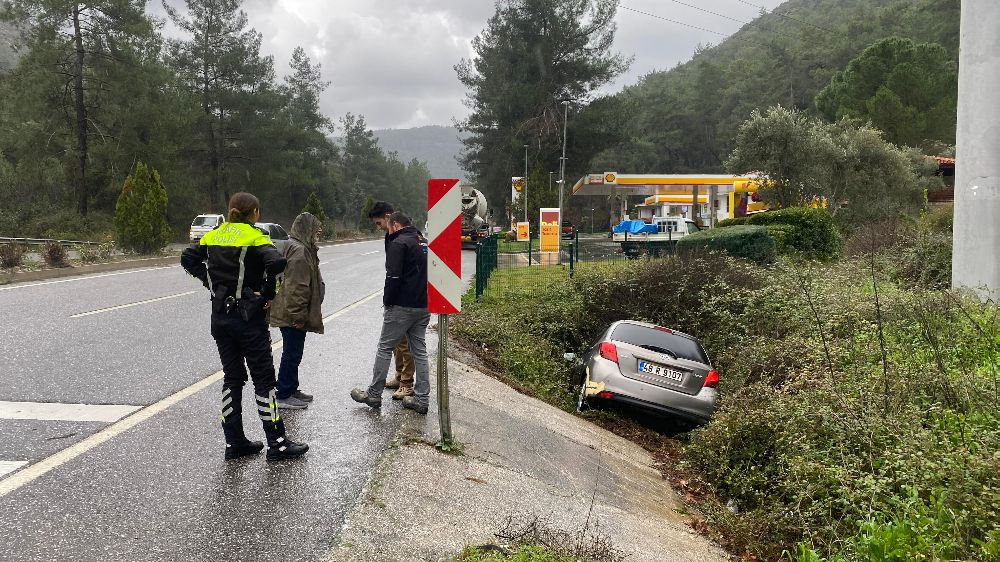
[(859, 418)]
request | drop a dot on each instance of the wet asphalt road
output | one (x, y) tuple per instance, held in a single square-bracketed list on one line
[(161, 490)]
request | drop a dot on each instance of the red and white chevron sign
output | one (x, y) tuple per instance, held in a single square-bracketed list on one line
[(444, 234)]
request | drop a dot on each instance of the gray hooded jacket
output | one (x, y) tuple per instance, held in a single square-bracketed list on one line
[(301, 288)]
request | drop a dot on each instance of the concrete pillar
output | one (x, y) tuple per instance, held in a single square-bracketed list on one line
[(977, 170)]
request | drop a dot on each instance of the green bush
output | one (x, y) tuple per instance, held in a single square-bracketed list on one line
[(731, 222), (810, 232), (782, 234), (742, 241), (141, 212)]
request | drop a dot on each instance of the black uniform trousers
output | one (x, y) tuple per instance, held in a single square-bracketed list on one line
[(248, 341)]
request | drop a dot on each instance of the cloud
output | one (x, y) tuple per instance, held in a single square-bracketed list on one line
[(392, 61)]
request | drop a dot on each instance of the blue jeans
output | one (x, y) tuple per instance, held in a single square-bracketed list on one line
[(293, 342)]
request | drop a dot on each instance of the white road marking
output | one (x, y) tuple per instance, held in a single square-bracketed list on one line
[(369, 253), (6, 467), (130, 305), (34, 471), (54, 411), (72, 279)]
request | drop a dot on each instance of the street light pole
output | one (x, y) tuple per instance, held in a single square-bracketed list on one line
[(562, 161), (526, 183), (591, 221)]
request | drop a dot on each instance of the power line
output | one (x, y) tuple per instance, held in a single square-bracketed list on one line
[(787, 17), (709, 12), (693, 26)]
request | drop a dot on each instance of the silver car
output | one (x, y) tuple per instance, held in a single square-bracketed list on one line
[(652, 368), (278, 235)]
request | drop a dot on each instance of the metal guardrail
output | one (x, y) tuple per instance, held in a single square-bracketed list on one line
[(44, 241)]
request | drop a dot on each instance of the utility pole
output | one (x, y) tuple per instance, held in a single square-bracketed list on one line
[(977, 167)]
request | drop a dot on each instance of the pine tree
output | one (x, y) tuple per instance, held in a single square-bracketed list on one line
[(141, 212), (315, 207), (222, 66)]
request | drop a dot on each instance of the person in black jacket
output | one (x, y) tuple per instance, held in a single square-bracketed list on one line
[(402, 382), (238, 265), (405, 302)]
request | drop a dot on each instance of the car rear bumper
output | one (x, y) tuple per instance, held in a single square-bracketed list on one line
[(695, 407)]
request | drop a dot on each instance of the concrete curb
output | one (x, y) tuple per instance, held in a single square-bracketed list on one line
[(8, 278)]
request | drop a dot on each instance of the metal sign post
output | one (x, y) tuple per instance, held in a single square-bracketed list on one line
[(444, 278)]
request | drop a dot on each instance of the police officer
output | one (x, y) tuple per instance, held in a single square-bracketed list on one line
[(239, 264)]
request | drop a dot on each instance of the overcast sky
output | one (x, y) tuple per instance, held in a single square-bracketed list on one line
[(391, 60)]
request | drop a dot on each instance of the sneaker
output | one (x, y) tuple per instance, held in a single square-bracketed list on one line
[(286, 450), (403, 392), (292, 403), (410, 402), (392, 382), (302, 396), (361, 395)]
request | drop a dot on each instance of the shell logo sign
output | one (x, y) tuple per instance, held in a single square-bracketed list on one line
[(517, 184), (610, 178)]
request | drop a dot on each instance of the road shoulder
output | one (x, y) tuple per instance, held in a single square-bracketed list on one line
[(522, 459)]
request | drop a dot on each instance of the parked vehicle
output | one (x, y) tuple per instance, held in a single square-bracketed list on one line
[(660, 234), (651, 368), (568, 230), (475, 216), (202, 224), (277, 234)]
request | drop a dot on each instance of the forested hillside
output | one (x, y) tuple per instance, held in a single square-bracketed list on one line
[(435, 145), (685, 119)]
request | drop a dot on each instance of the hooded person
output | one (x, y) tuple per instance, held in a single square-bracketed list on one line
[(297, 309)]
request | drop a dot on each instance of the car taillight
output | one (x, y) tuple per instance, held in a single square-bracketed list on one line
[(605, 395), (609, 351), (662, 329), (711, 379)]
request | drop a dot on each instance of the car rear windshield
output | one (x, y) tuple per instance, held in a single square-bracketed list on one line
[(203, 221), (657, 340)]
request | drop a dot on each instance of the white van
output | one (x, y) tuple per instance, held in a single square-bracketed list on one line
[(202, 224)]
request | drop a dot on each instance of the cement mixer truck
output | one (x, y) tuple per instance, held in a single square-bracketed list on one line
[(475, 216)]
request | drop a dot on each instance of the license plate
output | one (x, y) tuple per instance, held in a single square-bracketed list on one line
[(660, 371)]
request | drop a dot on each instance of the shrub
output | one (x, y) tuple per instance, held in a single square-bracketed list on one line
[(11, 255), (95, 253), (782, 234), (809, 231), (141, 212), (732, 222), (925, 260), (55, 255), (742, 241)]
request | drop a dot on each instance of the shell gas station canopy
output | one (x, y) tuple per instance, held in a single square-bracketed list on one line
[(613, 183), (728, 195)]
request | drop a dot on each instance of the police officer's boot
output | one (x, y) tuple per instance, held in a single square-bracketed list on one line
[(237, 444), (278, 445)]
